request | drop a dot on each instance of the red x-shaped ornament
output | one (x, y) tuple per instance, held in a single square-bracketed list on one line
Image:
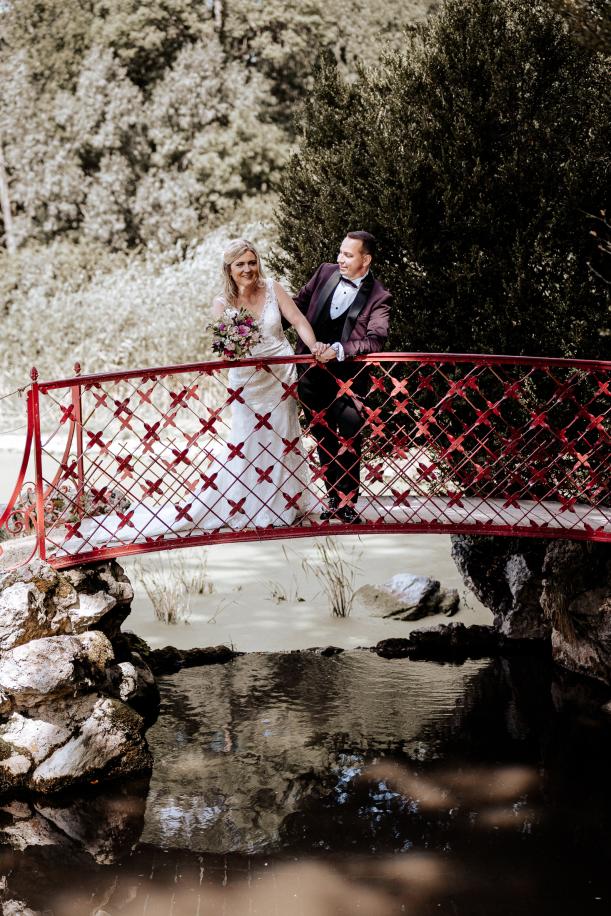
[(124, 465), (236, 506), (152, 486), (292, 502), (180, 456), (264, 474), (183, 512), (69, 471), (125, 520), (67, 413), (72, 531), (290, 445), (400, 498), (235, 394), (235, 451), (209, 424), (96, 439), (290, 391), (263, 421), (99, 496)]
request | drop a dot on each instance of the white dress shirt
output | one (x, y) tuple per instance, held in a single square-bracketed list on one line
[(343, 297)]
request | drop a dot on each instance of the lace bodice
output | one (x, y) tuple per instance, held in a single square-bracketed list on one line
[(273, 340)]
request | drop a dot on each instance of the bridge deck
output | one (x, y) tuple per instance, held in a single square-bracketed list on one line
[(431, 514)]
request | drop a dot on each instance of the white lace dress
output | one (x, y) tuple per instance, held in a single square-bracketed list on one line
[(260, 476)]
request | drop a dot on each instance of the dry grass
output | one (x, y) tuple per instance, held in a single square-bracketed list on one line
[(172, 585), (279, 593), (337, 573)]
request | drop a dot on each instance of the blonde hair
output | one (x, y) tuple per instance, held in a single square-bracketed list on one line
[(236, 248)]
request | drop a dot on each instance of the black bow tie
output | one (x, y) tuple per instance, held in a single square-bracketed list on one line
[(349, 282)]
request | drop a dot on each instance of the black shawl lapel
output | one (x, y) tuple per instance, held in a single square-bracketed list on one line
[(327, 289), (359, 301)]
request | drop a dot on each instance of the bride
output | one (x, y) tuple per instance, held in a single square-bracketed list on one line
[(261, 476)]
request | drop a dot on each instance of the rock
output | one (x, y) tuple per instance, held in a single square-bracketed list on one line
[(404, 597), (71, 707), (37, 601), (133, 682), (408, 597), (101, 826), (449, 602), (54, 666), (211, 655), (558, 589), (109, 743), (169, 660), (576, 598), (506, 575), (456, 642), (99, 738)]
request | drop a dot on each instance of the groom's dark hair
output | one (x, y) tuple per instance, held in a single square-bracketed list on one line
[(367, 240)]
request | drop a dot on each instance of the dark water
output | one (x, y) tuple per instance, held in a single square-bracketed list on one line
[(297, 784)]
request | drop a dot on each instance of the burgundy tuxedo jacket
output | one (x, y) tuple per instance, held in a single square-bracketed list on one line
[(366, 324)]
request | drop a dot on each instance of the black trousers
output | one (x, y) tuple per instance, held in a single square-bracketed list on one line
[(336, 422)]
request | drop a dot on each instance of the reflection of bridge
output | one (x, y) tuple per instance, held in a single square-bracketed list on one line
[(452, 443)]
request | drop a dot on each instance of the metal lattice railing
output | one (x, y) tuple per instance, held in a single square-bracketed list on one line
[(183, 455)]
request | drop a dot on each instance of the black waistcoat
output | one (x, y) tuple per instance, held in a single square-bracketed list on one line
[(327, 329)]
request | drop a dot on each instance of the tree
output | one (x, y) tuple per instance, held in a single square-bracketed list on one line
[(475, 155)]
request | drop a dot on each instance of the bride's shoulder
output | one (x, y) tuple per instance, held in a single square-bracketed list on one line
[(218, 306)]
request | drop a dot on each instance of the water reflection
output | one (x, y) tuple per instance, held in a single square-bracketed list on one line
[(297, 784)]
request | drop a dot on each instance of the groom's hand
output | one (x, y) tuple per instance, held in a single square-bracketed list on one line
[(326, 354)]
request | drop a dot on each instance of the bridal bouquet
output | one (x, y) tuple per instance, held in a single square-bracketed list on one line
[(234, 334)]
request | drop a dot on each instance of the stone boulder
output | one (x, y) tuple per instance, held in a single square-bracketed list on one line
[(54, 666), (70, 705), (558, 590), (97, 738), (408, 597), (576, 598), (37, 600), (506, 575)]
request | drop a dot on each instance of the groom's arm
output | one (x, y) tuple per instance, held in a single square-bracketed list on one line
[(372, 338)]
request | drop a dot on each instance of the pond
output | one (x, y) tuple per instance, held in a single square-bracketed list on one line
[(293, 783)]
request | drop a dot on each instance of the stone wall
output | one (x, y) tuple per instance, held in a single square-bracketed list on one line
[(557, 590), (72, 709)]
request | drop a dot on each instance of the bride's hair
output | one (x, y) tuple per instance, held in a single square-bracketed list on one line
[(236, 248)]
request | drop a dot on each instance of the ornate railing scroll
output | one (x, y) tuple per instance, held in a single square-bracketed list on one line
[(450, 443)]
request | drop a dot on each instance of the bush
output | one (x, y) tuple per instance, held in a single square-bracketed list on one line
[(65, 303), (475, 156)]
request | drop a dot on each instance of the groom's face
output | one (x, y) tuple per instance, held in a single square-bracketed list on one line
[(352, 260)]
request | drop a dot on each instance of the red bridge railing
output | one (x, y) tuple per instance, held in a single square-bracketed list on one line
[(450, 443)]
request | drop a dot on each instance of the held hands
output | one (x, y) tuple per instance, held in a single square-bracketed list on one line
[(323, 352)]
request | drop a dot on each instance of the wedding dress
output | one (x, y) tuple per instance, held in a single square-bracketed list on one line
[(259, 477)]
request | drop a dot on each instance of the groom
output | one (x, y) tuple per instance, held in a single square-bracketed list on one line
[(348, 309)]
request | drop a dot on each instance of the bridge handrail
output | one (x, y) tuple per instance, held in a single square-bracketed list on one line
[(590, 408), (483, 359)]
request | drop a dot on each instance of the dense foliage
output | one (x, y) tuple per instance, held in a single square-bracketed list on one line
[(475, 155), (132, 122)]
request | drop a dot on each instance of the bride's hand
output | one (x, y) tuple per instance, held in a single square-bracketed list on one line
[(318, 348)]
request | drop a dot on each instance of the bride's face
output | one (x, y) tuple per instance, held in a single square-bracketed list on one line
[(245, 270)]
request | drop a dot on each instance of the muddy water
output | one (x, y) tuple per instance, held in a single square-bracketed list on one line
[(297, 784)]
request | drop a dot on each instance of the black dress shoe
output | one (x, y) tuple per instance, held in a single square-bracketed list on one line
[(333, 503), (349, 515)]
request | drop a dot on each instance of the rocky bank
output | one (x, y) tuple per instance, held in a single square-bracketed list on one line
[(75, 701)]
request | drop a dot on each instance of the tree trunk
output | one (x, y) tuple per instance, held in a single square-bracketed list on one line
[(5, 207), (218, 9)]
